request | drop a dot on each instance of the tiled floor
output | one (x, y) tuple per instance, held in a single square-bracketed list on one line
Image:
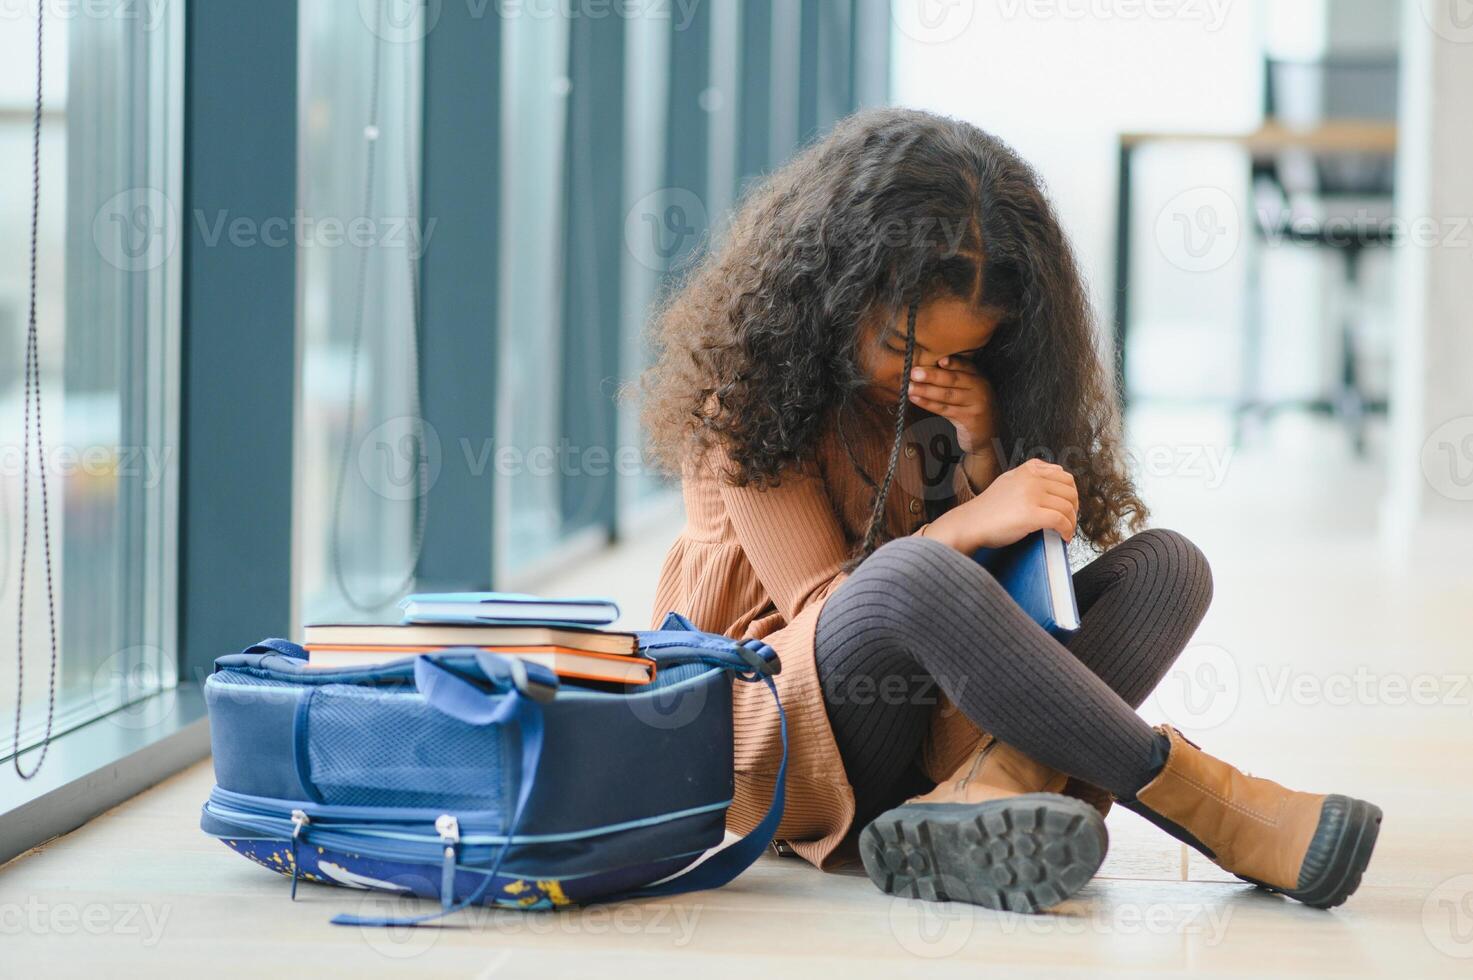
[(1320, 665)]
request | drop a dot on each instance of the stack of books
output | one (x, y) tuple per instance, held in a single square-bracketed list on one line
[(568, 636)]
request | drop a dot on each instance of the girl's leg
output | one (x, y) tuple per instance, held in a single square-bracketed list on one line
[(918, 615), (919, 608), (1139, 603)]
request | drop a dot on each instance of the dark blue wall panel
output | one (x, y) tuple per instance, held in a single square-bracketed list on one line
[(239, 327)]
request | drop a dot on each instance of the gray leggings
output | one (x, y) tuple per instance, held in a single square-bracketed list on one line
[(918, 615)]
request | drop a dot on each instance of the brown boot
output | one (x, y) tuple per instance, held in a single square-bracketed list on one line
[(997, 833), (1100, 799), (1311, 847), (994, 770), (956, 741)]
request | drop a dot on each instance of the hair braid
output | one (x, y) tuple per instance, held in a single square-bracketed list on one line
[(882, 495)]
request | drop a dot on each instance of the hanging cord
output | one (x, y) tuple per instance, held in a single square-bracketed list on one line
[(421, 469), (33, 391), (882, 495)]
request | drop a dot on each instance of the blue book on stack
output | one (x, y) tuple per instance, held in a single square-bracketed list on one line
[(1035, 572), (475, 608)]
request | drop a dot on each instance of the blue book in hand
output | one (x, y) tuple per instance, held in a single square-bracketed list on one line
[(1035, 572), (507, 607)]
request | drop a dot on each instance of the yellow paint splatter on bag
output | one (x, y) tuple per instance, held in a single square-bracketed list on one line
[(547, 891), (553, 889)]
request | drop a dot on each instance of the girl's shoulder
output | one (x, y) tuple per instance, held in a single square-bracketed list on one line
[(718, 465)]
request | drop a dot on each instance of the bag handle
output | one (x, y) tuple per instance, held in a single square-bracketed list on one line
[(273, 644), (453, 695)]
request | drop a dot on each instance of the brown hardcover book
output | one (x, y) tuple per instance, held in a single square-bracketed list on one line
[(436, 635), (563, 661)]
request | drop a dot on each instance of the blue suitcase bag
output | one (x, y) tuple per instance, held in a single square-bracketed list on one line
[(480, 779)]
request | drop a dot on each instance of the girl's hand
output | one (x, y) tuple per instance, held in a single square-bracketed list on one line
[(1027, 498), (956, 391)]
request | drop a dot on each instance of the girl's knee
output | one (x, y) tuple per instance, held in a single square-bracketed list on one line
[(913, 559), (916, 577), (1174, 555), (912, 545)]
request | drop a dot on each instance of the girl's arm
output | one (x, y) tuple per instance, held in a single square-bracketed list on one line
[(1022, 500), (794, 542), (791, 536), (981, 467)]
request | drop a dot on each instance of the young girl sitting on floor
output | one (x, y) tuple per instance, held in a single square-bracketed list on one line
[(890, 363)]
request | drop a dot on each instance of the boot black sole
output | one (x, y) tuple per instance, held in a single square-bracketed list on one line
[(1338, 853), (1019, 854)]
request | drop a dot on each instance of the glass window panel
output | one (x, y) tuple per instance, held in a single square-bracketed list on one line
[(356, 270), (650, 248), (109, 332), (528, 466)]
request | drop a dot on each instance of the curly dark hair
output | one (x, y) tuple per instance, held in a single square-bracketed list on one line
[(756, 350)]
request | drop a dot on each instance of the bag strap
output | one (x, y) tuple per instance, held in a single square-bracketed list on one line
[(750, 660), (727, 864)]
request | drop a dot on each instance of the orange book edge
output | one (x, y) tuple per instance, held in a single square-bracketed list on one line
[(350, 648)]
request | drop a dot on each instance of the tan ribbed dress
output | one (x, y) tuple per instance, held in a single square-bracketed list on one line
[(761, 563)]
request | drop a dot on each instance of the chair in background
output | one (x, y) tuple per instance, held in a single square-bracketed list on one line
[(1334, 200)]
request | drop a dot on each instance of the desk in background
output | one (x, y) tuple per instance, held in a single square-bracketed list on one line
[(1372, 137)]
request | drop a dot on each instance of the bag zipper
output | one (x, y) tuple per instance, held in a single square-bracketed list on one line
[(444, 837), (449, 830)]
